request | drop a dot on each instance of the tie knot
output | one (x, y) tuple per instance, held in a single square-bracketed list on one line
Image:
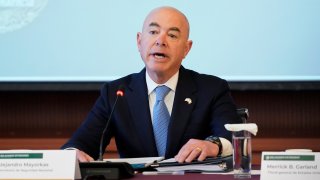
[(161, 92)]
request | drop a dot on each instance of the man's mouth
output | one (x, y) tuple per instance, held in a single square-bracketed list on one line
[(159, 55)]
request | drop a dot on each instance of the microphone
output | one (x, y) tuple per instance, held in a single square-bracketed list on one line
[(107, 170), (119, 93)]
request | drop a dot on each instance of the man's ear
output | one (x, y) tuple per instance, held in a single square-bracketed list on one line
[(187, 47), (139, 40)]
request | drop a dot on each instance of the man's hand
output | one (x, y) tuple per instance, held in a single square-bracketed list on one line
[(83, 157), (197, 149)]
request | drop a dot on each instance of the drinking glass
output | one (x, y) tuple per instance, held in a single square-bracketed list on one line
[(241, 141)]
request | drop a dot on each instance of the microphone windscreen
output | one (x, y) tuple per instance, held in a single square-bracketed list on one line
[(120, 91)]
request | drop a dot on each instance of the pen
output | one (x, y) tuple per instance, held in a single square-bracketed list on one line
[(163, 173)]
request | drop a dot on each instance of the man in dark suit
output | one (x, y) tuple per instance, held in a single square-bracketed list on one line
[(197, 105)]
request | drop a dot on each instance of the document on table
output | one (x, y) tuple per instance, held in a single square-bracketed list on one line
[(144, 160), (217, 164), (164, 166), (193, 168)]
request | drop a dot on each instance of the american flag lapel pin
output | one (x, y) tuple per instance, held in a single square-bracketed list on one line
[(188, 100)]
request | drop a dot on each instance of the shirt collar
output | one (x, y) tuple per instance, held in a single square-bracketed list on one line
[(171, 83)]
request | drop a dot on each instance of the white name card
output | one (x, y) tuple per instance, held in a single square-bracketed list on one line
[(290, 165), (39, 164)]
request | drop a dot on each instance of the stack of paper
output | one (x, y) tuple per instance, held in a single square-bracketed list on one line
[(218, 164)]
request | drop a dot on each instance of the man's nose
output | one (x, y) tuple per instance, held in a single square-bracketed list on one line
[(161, 41)]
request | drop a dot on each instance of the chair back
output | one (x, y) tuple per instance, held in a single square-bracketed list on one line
[(243, 113)]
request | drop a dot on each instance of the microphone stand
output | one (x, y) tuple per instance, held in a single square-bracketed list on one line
[(106, 170), (101, 151)]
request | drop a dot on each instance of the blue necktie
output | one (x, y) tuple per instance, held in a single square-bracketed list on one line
[(161, 119)]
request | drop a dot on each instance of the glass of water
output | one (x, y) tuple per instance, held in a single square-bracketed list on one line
[(242, 155)]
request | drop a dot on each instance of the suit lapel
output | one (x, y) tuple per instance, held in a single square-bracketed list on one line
[(140, 111), (184, 102)]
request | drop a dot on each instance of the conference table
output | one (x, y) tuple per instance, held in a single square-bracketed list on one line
[(197, 176), (255, 175), (191, 176)]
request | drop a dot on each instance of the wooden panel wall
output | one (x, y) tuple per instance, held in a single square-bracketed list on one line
[(282, 113), (45, 119), (43, 114)]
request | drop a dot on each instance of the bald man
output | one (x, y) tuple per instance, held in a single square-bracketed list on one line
[(197, 105)]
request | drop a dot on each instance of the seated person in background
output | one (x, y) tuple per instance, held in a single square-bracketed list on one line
[(187, 123)]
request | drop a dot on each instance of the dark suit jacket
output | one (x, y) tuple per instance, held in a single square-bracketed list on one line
[(211, 108)]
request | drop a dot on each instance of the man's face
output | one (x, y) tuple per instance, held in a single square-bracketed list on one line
[(163, 42)]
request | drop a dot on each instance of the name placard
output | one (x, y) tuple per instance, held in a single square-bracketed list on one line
[(39, 164), (290, 165)]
